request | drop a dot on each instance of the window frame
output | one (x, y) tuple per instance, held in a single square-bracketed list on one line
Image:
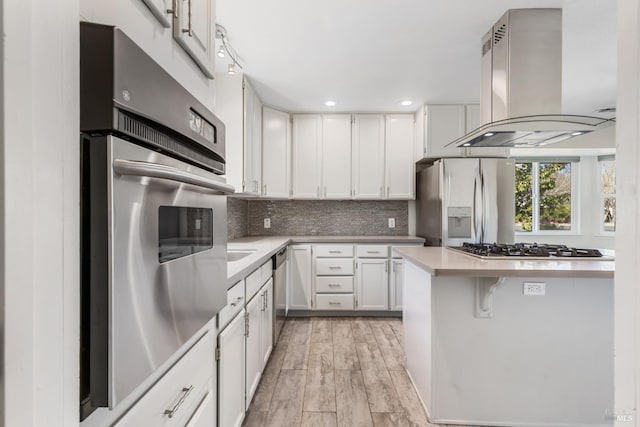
[(535, 198), (604, 195)]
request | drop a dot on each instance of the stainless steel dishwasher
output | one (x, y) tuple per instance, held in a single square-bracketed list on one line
[(279, 292)]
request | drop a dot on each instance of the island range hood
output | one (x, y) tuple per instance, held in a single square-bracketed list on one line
[(521, 85)]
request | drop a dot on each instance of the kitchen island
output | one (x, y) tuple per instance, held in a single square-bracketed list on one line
[(509, 343)]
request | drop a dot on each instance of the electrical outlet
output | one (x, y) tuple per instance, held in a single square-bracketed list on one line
[(392, 223), (267, 223), (533, 288)]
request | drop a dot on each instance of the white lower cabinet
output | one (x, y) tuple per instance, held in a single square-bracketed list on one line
[(176, 398), (300, 277), (253, 354), (395, 285), (266, 322), (205, 413), (231, 386), (372, 285)]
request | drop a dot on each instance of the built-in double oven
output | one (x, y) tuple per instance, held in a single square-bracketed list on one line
[(154, 219)]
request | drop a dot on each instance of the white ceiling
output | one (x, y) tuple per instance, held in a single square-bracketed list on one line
[(369, 55)]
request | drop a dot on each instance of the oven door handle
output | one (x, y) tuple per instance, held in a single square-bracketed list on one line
[(154, 170)]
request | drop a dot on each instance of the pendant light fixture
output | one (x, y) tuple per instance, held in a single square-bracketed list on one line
[(226, 49)]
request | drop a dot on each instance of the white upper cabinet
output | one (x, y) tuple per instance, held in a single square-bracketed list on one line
[(193, 29), (472, 117), (399, 170), (368, 156), (307, 138), (160, 11), (276, 146), (336, 156), (252, 141), (240, 109), (443, 124)]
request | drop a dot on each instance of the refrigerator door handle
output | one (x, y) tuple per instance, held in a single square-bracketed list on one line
[(475, 209), (483, 207)]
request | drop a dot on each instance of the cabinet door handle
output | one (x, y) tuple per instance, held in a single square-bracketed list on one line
[(185, 392), (174, 9), (335, 252), (189, 29), (264, 189), (387, 191), (335, 268), (381, 192), (334, 285)]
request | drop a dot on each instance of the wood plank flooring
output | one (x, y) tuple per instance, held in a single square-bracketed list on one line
[(342, 372)]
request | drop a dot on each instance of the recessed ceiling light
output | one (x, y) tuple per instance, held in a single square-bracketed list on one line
[(576, 133), (330, 103), (466, 144), (406, 103), (488, 134)]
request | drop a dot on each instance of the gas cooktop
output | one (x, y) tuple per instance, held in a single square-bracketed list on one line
[(529, 251)]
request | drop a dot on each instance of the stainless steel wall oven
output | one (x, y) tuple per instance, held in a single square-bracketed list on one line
[(154, 220)]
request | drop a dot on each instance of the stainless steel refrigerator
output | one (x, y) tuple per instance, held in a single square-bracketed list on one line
[(466, 200)]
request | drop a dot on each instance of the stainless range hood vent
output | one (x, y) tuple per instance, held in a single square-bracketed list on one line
[(521, 85)]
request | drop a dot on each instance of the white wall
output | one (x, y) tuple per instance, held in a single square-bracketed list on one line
[(137, 22), (40, 183), (627, 295)]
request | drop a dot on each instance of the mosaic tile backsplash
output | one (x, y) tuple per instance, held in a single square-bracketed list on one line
[(236, 218), (327, 217)]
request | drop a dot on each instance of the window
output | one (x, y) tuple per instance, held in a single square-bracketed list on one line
[(607, 166), (544, 201)]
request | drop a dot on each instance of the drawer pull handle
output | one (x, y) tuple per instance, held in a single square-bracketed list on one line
[(334, 303), (185, 392), (373, 252), (335, 252), (334, 285), (335, 268)]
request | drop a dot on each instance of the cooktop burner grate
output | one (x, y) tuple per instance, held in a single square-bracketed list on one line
[(524, 250)]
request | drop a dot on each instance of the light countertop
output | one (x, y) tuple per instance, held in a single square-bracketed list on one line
[(439, 261), (263, 248)]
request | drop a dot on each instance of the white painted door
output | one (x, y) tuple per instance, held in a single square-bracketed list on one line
[(300, 277), (395, 285), (231, 384), (276, 147), (266, 322), (205, 414), (400, 168), (368, 156), (306, 138), (444, 124), (372, 284), (253, 355), (193, 29), (336, 156)]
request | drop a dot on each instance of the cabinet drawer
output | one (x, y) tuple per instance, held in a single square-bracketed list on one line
[(334, 267), (334, 302), (180, 390), (334, 251), (256, 279), (373, 251), (235, 302), (334, 285)]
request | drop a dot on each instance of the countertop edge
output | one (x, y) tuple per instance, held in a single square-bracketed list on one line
[(505, 272)]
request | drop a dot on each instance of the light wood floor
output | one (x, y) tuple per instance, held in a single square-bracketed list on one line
[(345, 372)]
